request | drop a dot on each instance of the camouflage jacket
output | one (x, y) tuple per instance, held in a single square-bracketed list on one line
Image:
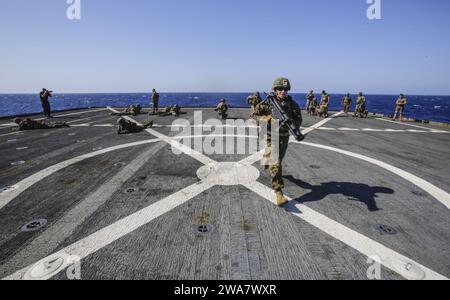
[(155, 96), (254, 100), (310, 97), (264, 109), (29, 124), (325, 100), (347, 100), (361, 100), (222, 107), (402, 102)]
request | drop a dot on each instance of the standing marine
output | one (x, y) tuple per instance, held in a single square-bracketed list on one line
[(44, 95), (361, 110), (222, 109), (324, 104), (254, 100), (346, 103), (155, 102), (400, 110), (264, 113), (309, 99)]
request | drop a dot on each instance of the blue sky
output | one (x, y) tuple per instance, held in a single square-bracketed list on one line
[(225, 46)]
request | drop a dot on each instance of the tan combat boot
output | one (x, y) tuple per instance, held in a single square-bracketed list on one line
[(281, 200)]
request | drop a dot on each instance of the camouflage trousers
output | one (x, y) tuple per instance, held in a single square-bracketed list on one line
[(155, 107), (275, 164), (46, 108), (400, 110), (346, 107)]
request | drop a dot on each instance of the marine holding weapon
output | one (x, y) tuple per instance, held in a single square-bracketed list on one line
[(281, 107), (44, 95), (400, 109)]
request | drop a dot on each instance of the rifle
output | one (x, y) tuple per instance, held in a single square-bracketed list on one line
[(284, 118)]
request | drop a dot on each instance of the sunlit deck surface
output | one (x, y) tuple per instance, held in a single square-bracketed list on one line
[(130, 208)]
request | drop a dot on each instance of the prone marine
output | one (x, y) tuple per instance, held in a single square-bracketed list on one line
[(30, 124)]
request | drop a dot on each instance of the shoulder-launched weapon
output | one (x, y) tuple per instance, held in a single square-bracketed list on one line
[(284, 118)]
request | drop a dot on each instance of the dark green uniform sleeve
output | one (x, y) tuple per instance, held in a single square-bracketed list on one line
[(296, 114)]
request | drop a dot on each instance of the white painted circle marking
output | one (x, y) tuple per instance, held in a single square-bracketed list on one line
[(228, 173)]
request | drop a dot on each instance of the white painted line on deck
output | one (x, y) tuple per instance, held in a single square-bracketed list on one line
[(321, 123), (389, 258), (81, 125), (172, 141), (372, 130), (348, 129), (58, 116), (12, 133), (121, 228), (8, 125), (258, 156), (7, 197), (405, 124), (439, 194), (326, 128), (65, 226)]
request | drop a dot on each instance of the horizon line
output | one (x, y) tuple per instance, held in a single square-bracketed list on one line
[(250, 93)]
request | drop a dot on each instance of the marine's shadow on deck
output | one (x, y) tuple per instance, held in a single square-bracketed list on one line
[(353, 191)]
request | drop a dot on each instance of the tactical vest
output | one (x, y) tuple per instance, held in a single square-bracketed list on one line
[(289, 106)]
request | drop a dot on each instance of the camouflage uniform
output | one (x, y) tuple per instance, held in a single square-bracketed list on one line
[(313, 107), (360, 106), (309, 99), (132, 110), (325, 102), (265, 110), (126, 126), (401, 103), (254, 100), (155, 102), (222, 109), (346, 102), (29, 124), (44, 95), (174, 110)]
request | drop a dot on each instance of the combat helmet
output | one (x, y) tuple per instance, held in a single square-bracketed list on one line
[(17, 120), (282, 82)]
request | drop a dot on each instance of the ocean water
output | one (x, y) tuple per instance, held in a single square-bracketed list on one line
[(432, 108)]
